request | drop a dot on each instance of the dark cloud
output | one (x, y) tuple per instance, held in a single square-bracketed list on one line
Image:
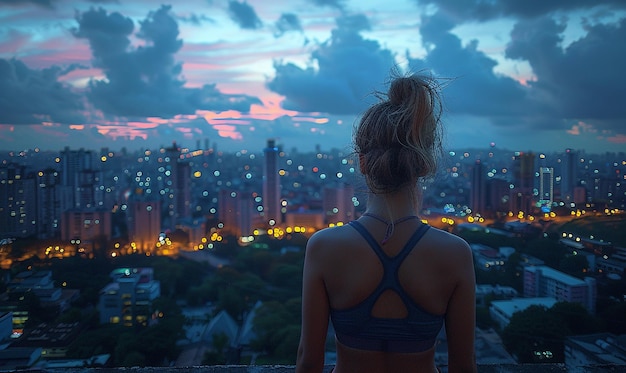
[(145, 81), (582, 81), (349, 67), (42, 3), (585, 80), (354, 22), (45, 3), (339, 4), (244, 15), (34, 96), (468, 10), (196, 19), (474, 88), (287, 22)]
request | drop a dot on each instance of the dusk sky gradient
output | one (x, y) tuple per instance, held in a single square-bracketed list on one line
[(541, 75)]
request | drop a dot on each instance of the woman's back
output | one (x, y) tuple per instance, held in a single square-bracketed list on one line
[(352, 271)]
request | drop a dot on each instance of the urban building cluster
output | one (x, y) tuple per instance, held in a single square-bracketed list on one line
[(85, 197), (175, 200)]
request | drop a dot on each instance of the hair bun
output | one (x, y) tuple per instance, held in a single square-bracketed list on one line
[(401, 90)]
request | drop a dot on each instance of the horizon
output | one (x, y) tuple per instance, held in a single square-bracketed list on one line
[(132, 74)]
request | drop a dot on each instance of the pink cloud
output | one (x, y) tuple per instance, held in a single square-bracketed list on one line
[(581, 127), (14, 42), (115, 132), (271, 109), (312, 120), (230, 134), (60, 50), (617, 139), (142, 125)]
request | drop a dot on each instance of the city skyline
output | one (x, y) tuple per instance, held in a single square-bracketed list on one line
[(135, 74)]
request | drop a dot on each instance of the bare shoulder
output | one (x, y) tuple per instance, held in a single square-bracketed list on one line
[(450, 245), (330, 239)]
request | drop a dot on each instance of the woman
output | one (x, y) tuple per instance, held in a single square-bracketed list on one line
[(388, 281)]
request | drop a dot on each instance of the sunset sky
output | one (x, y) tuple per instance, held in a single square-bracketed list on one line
[(540, 75)]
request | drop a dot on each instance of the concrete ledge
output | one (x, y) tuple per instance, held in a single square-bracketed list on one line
[(495, 368)]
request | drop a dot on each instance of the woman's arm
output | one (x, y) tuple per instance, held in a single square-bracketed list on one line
[(315, 310), (461, 314)]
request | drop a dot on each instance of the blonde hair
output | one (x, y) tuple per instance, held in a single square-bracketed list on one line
[(398, 140)]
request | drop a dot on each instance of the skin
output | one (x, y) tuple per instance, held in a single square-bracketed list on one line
[(341, 270)]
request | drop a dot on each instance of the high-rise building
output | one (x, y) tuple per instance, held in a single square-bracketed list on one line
[(177, 203), (91, 226), (144, 223), (79, 179), (18, 201), (522, 193), (579, 194), (235, 209), (498, 194), (49, 201), (478, 198), (546, 187), (338, 205), (271, 185), (523, 170), (569, 174)]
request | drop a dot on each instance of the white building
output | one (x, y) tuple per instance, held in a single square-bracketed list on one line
[(544, 281), (594, 349), (501, 311), (128, 299)]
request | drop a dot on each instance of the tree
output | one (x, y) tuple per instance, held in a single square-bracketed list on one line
[(287, 276), (535, 334), (547, 250), (270, 318), (614, 317), (217, 355), (574, 265), (277, 327), (483, 318), (134, 359), (576, 317)]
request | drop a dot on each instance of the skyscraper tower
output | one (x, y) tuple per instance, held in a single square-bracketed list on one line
[(478, 197), (271, 185), (338, 204), (79, 178), (145, 223), (524, 170), (235, 211), (48, 197), (177, 187), (521, 198), (546, 186), (18, 202), (569, 175)]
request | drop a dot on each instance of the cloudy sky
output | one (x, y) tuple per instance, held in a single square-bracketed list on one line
[(540, 75)]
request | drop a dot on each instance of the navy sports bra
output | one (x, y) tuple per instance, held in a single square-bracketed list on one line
[(355, 327)]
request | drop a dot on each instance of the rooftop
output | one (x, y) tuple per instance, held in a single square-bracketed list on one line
[(557, 275), (495, 368)]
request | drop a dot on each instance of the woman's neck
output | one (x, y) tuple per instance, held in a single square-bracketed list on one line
[(392, 206)]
